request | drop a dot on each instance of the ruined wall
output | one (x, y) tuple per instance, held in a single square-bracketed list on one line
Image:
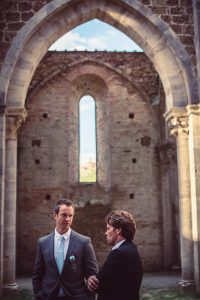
[(177, 13), (128, 134), (48, 139)]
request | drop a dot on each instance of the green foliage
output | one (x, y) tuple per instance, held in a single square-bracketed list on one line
[(90, 177)]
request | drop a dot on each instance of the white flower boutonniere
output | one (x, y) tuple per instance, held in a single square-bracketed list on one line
[(72, 259)]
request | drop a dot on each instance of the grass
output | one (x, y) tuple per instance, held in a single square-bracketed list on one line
[(21, 295), (172, 294), (90, 177), (146, 294)]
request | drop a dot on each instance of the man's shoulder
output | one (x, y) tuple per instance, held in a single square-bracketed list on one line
[(46, 237), (79, 236), (128, 246), (129, 249)]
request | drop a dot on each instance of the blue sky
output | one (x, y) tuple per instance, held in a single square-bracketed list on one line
[(95, 35), (87, 129)]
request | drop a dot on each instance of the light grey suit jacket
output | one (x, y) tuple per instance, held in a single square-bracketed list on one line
[(46, 278)]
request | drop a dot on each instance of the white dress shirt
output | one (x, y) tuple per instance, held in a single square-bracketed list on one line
[(118, 244), (57, 238)]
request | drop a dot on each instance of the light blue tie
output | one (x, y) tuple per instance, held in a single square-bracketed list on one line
[(60, 254)]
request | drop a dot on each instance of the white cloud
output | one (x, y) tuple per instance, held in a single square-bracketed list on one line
[(70, 41), (73, 40), (99, 42), (112, 33), (108, 39)]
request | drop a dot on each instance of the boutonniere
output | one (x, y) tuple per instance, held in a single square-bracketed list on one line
[(72, 259)]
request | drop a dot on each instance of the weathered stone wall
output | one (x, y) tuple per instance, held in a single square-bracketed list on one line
[(123, 86), (136, 67), (128, 136), (177, 13)]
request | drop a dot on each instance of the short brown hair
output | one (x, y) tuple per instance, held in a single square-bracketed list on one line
[(124, 220), (60, 202)]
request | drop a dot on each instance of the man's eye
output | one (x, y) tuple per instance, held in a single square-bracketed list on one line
[(65, 216)]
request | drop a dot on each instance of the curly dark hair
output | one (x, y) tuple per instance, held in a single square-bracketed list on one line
[(61, 202), (124, 220)]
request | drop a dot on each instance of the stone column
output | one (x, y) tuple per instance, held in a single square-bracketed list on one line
[(177, 120), (14, 119), (196, 17), (165, 156), (2, 184), (193, 112)]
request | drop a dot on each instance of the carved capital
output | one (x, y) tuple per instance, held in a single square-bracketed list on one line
[(14, 119), (193, 109), (177, 120)]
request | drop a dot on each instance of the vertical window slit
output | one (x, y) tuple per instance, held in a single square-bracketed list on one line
[(87, 140)]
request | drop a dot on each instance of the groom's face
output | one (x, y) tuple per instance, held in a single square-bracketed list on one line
[(64, 218)]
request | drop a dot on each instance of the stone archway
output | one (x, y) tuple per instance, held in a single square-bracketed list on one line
[(31, 43), (151, 33)]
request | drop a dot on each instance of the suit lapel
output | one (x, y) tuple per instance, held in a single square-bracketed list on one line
[(51, 249), (72, 242)]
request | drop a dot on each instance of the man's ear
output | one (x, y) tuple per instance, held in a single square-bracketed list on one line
[(54, 216), (119, 231)]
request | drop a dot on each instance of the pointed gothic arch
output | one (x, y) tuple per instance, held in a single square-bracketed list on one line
[(134, 19), (151, 33)]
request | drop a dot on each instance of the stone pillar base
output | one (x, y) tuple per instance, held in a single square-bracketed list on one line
[(10, 289), (187, 285)]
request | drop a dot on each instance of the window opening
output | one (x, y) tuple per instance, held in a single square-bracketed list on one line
[(87, 140)]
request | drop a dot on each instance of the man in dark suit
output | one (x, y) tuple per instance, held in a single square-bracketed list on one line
[(120, 277), (64, 260)]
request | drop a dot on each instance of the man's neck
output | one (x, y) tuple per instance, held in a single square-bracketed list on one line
[(61, 232), (118, 244), (119, 239)]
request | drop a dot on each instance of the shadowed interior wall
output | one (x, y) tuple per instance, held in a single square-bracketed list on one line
[(129, 123)]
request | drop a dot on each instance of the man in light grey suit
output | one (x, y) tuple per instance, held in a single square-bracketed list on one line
[(64, 260)]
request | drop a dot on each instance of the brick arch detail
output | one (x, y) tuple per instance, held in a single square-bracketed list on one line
[(134, 19), (87, 67)]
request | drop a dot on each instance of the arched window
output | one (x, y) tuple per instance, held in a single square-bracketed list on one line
[(87, 140)]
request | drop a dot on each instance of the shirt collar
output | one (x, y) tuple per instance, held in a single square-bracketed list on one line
[(65, 235), (118, 244)]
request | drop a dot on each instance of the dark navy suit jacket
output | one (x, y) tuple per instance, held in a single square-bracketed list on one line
[(120, 277), (46, 278)]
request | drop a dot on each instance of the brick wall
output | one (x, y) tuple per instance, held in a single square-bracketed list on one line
[(127, 140)]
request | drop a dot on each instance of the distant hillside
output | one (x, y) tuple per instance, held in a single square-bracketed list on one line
[(88, 172)]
